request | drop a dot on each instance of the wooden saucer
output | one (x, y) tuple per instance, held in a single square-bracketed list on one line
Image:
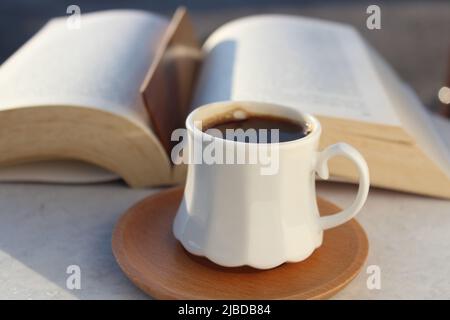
[(156, 262)]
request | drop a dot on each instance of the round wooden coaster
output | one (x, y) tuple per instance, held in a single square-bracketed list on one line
[(156, 262)]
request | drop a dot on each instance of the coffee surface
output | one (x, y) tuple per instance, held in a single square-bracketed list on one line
[(288, 130)]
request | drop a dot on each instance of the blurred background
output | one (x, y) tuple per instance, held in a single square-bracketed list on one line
[(414, 38)]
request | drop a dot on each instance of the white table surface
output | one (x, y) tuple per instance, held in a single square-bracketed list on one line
[(46, 228)]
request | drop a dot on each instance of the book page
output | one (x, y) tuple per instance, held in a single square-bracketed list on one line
[(100, 65), (319, 67), (414, 117)]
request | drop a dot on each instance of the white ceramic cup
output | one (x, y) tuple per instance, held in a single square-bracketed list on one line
[(234, 215)]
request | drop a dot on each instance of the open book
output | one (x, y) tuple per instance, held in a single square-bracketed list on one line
[(111, 93)]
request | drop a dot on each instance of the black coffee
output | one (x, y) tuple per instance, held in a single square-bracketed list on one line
[(252, 128)]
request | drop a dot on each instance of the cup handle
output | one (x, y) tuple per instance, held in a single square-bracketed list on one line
[(351, 153)]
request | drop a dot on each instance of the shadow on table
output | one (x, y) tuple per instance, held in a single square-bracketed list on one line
[(48, 228)]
